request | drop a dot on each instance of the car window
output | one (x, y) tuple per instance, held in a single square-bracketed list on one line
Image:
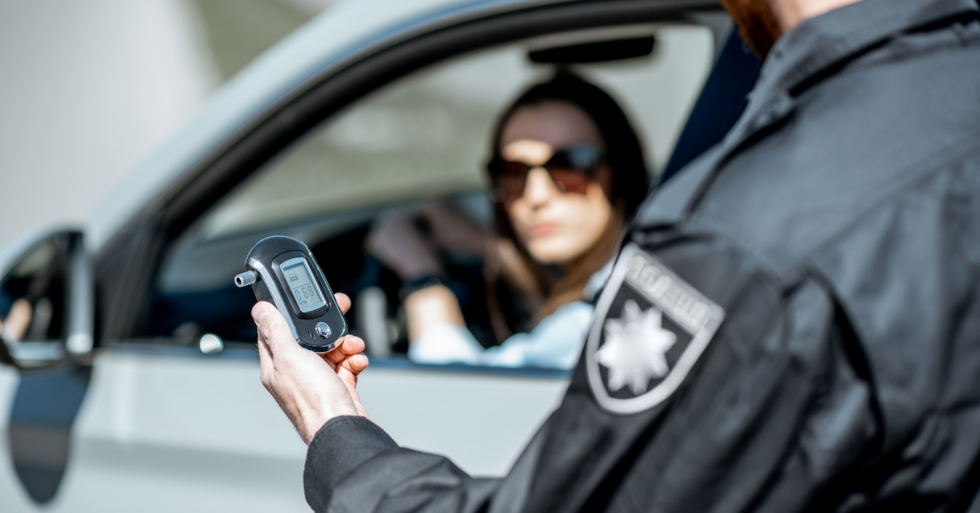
[(429, 134), (421, 138)]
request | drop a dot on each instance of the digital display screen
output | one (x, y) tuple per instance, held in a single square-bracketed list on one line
[(299, 280)]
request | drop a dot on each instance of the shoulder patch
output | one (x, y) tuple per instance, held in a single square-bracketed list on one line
[(650, 327)]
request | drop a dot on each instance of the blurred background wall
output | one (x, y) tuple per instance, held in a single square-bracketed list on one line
[(90, 88)]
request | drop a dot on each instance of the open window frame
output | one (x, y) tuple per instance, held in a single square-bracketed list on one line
[(128, 267)]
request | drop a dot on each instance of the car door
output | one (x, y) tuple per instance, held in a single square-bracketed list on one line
[(174, 416)]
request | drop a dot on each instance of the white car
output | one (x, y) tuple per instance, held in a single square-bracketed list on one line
[(134, 385)]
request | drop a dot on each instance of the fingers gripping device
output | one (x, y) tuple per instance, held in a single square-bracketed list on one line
[(282, 271)]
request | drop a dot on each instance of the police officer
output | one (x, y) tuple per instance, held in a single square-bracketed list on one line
[(793, 324)]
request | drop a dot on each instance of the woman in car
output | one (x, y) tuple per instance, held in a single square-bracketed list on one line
[(567, 173)]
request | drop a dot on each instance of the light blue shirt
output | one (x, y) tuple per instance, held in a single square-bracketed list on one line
[(554, 343)]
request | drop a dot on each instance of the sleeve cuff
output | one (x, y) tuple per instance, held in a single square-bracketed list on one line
[(341, 445)]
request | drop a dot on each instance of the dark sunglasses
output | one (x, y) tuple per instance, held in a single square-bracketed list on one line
[(570, 168)]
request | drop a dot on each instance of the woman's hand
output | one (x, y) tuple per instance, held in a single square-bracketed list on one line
[(397, 243), (430, 307), (453, 231), (413, 253), (310, 388)]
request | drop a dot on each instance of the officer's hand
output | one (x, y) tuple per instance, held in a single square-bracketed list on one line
[(311, 389)]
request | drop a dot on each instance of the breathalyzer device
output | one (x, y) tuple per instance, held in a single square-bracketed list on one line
[(282, 271)]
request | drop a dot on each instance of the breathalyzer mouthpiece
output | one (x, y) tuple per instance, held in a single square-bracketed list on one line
[(245, 279)]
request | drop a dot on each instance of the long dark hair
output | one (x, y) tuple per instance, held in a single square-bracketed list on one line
[(628, 186)]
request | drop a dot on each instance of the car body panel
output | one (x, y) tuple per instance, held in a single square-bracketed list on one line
[(232, 449)]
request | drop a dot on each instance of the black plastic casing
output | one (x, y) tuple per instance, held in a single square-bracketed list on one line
[(264, 260)]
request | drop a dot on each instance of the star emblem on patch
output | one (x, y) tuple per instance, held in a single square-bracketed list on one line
[(636, 348), (649, 330)]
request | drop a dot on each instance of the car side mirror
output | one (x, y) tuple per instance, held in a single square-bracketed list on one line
[(46, 302)]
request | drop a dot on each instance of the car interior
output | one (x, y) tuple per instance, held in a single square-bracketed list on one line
[(424, 138)]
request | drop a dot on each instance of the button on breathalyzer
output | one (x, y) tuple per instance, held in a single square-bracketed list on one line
[(282, 271)]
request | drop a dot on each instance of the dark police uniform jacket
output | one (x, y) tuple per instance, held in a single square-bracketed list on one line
[(794, 322)]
